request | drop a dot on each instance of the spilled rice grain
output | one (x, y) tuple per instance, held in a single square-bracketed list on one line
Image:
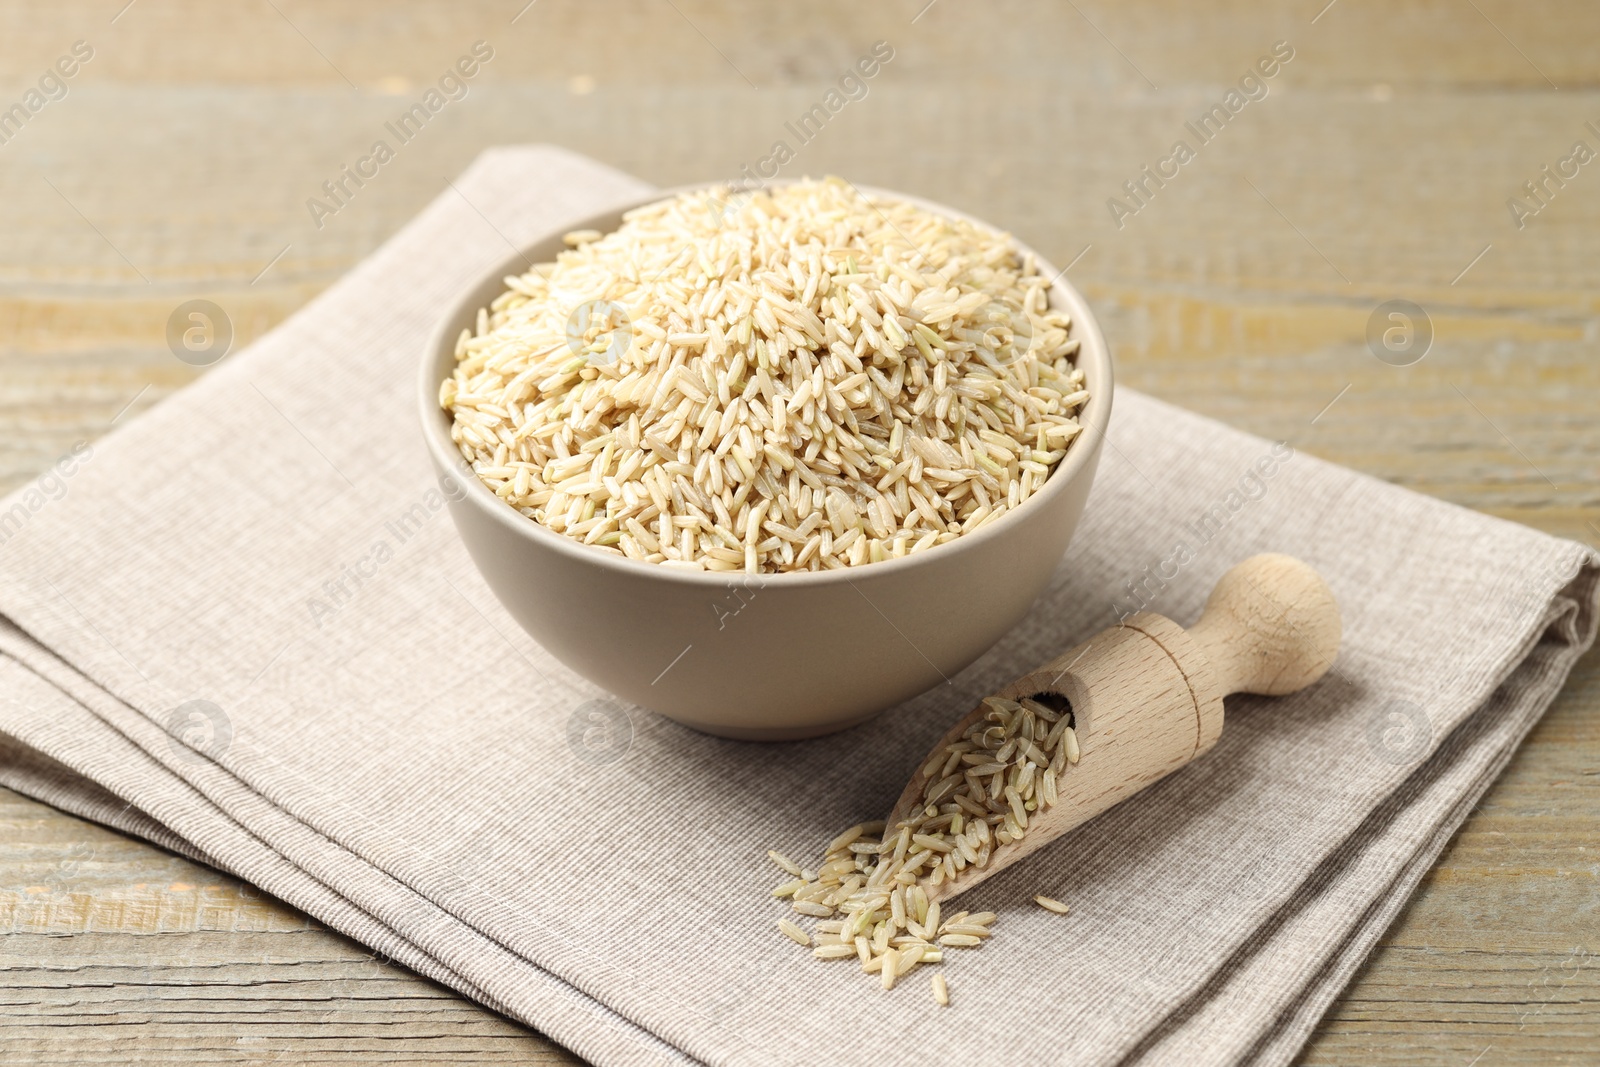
[(871, 893), (1050, 904)]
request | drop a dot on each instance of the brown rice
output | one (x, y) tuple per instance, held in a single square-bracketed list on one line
[(879, 882), (815, 379), (1050, 904)]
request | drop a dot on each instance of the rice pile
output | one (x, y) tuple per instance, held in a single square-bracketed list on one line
[(870, 896), (800, 379)]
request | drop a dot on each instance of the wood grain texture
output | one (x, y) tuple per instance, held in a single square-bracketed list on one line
[(1377, 167)]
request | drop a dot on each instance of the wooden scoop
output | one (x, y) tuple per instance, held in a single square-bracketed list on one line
[(1145, 696)]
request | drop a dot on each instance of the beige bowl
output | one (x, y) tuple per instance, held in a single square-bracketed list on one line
[(777, 656)]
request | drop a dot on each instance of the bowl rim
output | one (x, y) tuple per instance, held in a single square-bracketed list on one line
[(1094, 417)]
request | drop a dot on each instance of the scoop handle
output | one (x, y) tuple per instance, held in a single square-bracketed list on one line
[(1271, 626)]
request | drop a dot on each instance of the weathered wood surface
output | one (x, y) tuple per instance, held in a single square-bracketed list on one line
[(1377, 167)]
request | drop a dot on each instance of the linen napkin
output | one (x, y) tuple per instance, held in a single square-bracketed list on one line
[(246, 631)]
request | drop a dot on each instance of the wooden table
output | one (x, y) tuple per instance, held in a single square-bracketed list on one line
[(1377, 167)]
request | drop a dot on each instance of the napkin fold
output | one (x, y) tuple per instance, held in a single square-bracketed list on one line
[(242, 628)]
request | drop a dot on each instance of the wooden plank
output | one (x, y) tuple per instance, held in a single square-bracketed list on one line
[(1501, 45), (194, 998), (1378, 167)]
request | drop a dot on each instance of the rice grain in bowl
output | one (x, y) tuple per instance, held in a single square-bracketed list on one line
[(806, 380), (701, 469)]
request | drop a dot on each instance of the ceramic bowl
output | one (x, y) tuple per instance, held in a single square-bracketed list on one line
[(776, 656)]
